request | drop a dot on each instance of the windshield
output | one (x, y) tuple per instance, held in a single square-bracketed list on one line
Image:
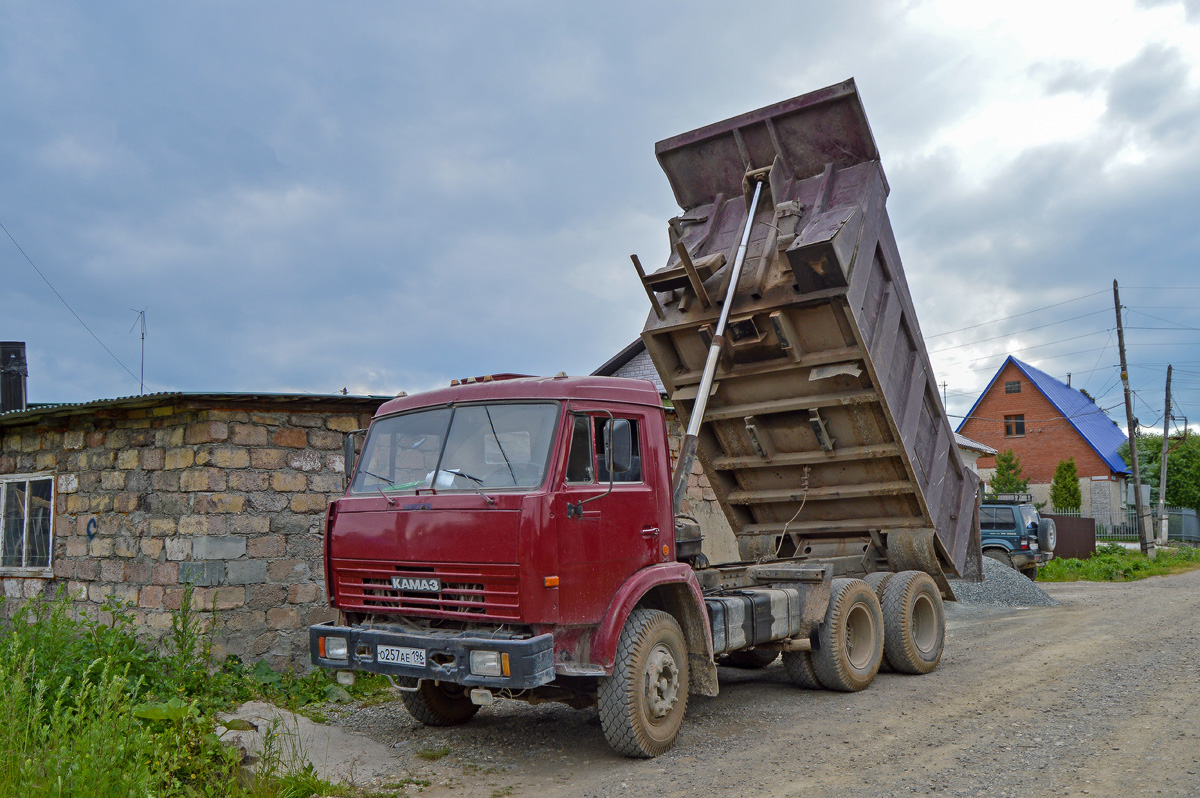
[(466, 447)]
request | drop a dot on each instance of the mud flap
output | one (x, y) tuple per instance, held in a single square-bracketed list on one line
[(915, 550)]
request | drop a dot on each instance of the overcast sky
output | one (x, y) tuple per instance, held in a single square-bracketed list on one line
[(383, 196)]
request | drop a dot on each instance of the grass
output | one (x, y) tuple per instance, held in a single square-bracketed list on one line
[(434, 754), (1115, 563), (92, 710)]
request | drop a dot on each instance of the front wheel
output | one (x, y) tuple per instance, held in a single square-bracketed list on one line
[(643, 702), (439, 703)]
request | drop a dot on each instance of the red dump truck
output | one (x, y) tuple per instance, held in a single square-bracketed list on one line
[(529, 538)]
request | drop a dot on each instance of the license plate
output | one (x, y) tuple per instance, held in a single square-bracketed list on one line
[(397, 655)]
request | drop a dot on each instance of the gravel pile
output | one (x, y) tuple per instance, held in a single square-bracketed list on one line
[(1001, 587)]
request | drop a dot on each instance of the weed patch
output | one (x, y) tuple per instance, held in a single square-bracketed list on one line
[(1114, 563)]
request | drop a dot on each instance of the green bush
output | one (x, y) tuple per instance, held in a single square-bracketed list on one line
[(91, 710), (1115, 563)]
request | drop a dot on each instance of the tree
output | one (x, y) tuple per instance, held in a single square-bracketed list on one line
[(1007, 478), (1064, 489), (1183, 467)]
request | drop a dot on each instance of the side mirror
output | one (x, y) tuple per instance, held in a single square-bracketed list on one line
[(618, 446), (348, 452)]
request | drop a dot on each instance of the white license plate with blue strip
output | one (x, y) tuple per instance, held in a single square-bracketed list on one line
[(397, 655)]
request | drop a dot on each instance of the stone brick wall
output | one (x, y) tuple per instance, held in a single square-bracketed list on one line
[(720, 544), (231, 500)]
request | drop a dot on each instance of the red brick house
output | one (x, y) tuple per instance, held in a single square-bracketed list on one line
[(1044, 421)]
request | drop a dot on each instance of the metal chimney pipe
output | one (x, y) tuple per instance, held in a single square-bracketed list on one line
[(13, 374)]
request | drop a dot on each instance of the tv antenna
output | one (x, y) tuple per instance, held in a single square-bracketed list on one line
[(141, 319)]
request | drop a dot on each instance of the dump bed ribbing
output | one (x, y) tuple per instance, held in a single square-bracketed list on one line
[(824, 436)]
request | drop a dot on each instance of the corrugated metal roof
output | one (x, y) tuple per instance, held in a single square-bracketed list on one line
[(1092, 423), (973, 445), (155, 399)]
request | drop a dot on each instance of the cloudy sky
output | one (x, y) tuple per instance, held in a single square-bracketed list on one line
[(381, 196)]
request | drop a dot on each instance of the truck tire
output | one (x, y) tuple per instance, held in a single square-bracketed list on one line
[(850, 640), (1047, 534), (752, 658), (878, 580), (439, 703), (914, 622), (643, 702), (1000, 556), (799, 667)]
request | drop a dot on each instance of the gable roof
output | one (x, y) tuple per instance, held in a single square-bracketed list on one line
[(1093, 424)]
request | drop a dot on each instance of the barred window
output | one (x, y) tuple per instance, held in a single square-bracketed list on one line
[(1012, 387), (26, 521), (1014, 426)]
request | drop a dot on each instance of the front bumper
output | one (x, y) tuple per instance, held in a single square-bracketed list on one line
[(447, 656)]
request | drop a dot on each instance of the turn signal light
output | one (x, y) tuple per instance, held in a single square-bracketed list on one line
[(551, 581)]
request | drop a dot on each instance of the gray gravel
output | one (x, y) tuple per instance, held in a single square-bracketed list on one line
[(1001, 587)]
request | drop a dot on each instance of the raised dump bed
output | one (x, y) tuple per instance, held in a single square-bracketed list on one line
[(824, 436)]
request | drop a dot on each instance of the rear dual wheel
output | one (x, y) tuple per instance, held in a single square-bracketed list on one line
[(850, 641), (914, 622)]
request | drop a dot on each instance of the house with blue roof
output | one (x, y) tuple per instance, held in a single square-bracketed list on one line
[(1044, 420)]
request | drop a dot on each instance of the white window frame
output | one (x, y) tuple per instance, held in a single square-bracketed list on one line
[(25, 570)]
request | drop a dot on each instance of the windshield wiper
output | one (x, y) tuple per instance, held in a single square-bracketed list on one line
[(472, 478), (499, 445), (390, 500)]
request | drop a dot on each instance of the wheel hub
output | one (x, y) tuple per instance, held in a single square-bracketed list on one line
[(662, 682)]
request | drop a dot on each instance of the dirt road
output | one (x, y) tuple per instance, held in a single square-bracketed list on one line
[(1099, 695)]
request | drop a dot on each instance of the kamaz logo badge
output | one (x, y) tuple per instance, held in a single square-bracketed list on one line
[(420, 585)]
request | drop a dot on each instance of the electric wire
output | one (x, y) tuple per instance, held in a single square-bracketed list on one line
[(64, 301), (1016, 315)]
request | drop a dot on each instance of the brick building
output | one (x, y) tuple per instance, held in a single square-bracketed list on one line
[(1044, 421), (135, 497)]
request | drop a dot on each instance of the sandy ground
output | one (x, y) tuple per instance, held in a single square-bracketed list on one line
[(1099, 695)]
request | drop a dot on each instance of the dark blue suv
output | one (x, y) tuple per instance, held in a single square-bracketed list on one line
[(1015, 534)]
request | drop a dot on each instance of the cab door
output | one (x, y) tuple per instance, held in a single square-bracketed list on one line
[(604, 541)]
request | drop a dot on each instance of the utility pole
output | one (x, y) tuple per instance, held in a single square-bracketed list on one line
[(945, 402), (1162, 473), (1131, 423)]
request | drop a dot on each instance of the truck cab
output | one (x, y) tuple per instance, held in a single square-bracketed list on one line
[(1015, 534), (495, 534)]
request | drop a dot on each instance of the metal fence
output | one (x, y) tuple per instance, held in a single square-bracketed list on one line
[(1182, 524)]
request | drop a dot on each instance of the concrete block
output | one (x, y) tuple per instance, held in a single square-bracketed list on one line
[(245, 572), (220, 548), (202, 574)]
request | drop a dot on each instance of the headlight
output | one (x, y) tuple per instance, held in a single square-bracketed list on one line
[(333, 647), (489, 663)]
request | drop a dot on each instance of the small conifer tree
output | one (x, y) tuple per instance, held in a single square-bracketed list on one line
[(1007, 478), (1064, 489)]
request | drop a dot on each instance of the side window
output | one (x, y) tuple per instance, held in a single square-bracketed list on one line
[(996, 519), (634, 474), (26, 523), (579, 462)]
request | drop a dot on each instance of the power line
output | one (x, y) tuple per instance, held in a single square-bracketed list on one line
[(1017, 332), (65, 303), (1015, 315)]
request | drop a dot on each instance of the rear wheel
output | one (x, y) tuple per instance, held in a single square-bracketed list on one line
[(999, 555), (752, 658), (914, 622), (799, 667), (878, 581), (439, 703), (643, 702), (851, 638)]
